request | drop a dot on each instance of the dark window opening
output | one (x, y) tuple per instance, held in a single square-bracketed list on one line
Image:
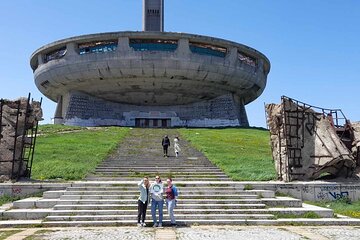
[(59, 53), (155, 12), (45, 84), (207, 49), (244, 58), (153, 45), (97, 47)]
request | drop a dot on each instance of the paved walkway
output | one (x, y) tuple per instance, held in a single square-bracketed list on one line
[(191, 233)]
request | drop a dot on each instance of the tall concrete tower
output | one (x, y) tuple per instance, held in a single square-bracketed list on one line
[(153, 15)]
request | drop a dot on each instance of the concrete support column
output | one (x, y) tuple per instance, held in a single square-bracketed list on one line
[(58, 117), (123, 44), (232, 56), (40, 59), (243, 119), (71, 49), (183, 49), (241, 111)]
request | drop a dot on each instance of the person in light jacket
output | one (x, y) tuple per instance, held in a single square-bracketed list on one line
[(157, 200), (177, 146), (143, 200)]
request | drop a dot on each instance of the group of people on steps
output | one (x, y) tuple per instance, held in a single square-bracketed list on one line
[(153, 192)]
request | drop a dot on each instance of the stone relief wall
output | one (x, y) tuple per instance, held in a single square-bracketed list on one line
[(85, 110), (16, 118)]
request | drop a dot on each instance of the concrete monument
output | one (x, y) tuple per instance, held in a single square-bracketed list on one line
[(150, 78)]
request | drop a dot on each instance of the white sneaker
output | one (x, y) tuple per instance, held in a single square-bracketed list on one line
[(143, 224), (160, 225), (155, 225), (139, 225)]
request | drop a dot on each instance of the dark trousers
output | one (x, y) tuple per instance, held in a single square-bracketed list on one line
[(142, 210), (165, 147)]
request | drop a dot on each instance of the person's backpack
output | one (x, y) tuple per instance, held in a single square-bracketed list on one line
[(175, 191)]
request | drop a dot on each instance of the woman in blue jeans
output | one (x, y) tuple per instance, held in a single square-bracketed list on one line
[(171, 195), (157, 200)]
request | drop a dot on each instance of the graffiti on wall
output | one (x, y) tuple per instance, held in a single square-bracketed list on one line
[(16, 190), (338, 195)]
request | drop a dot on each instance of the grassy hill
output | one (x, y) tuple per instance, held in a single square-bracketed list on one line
[(69, 153), (242, 153)]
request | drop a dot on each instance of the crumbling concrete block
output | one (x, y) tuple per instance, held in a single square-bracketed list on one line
[(356, 143), (16, 118), (305, 144)]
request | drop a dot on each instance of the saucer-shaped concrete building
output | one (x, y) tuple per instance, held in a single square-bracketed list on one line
[(150, 78)]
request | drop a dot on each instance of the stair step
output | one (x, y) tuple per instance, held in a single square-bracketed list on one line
[(154, 169), (95, 178), (187, 222), (127, 188), (178, 216), (179, 206), (127, 201), (174, 175), (183, 196), (177, 212), (157, 166), (27, 214), (132, 184), (202, 192), (165, 174)]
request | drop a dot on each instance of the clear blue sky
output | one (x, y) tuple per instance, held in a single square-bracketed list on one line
[(313, 46)]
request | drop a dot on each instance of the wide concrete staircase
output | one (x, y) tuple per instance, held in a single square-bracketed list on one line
[(141, 155), (115, 204), (207, 196)]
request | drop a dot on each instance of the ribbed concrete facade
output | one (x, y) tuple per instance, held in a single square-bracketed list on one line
[(151, 79), (85, 110)]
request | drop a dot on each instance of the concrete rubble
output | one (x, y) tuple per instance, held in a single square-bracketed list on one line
[(16, 118), (356, 143), (306, 145)]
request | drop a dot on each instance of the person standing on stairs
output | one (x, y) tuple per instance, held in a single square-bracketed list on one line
[(157, 200), (166, 144), (177, 146), (143, 200), (171, 195)]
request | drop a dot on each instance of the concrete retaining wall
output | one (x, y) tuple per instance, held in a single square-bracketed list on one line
[(316, 191), (25, 189)]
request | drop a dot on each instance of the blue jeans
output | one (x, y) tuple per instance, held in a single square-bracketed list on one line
[(159, 205), (170, 204)]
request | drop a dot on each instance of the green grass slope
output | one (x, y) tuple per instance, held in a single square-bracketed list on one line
[(243, 154), (343, 206), (69, 153)]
